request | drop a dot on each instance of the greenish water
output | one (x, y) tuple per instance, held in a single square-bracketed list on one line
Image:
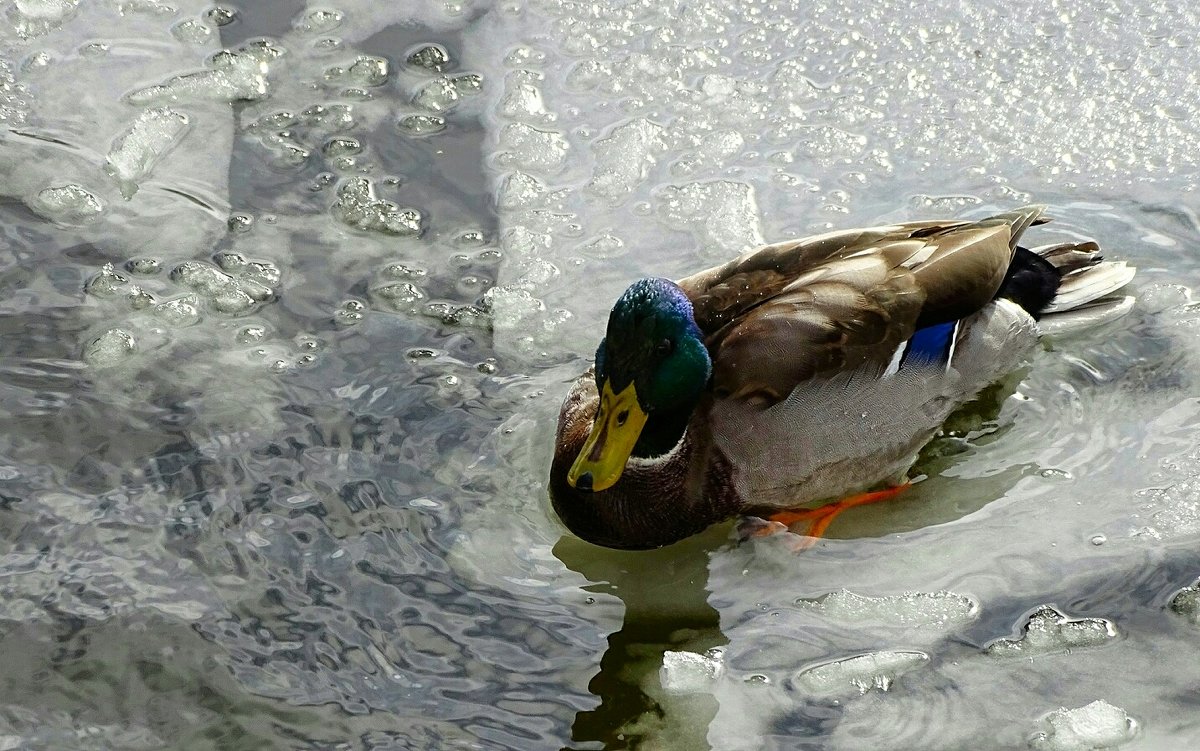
[(274, 451)]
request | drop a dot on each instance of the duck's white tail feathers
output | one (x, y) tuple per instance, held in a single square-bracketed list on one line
[(1084, 295)]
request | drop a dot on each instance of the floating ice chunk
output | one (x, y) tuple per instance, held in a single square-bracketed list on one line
[(511, 306), (624, 158), (533, 149), (357, 206), (714, 150), (874, 670), (285, 151), (433, 57), (145, 265), (34, 18), (107, 282), (522, 242), (320, 20), (222, 15), (1186, 602), (523, 101), (467, 84), (135, 152), (151, 7), (366, 70), (438, 96), (911, 609), (422, 125), (604, 246), (691, 673), (723, 214), (1049, 631), (180, 312), (224, 292), (67, 204), (110, 348), (398, 296), (520, 191), (1098, 725), (329, 118), (827, 144), (241, 76), (192, 31)]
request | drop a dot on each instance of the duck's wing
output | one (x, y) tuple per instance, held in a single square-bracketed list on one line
[(787, 312)]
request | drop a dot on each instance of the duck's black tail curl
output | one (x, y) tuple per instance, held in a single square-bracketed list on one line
[(1069, 282), (1031, 282)]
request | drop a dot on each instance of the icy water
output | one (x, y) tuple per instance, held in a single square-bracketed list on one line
[(286, 327)]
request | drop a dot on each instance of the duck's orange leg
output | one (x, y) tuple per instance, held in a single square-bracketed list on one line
[(820, 518)]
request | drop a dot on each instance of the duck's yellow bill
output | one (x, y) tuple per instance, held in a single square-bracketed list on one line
[(618, 425)]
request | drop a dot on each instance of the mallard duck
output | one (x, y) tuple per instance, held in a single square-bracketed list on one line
[(804, 371)]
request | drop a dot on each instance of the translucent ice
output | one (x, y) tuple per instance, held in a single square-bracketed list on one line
[(357, 206), (522, 101), (225, 293), (1098, 725), (723, 214), (532, 149), (1186, 602), (67, 204), (144, 142), (192, 31), (109, 348), (33, 18), (433, 57), (239, 76), (1048, 631), (875, 670), (107, 282), (520, 191), (623, 158), (511, 306), (422, 125), (365, 70), (913, 609), (691, 673), (438, 95), (320, 20)]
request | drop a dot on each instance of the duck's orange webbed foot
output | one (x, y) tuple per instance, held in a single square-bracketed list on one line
[(817, 519)]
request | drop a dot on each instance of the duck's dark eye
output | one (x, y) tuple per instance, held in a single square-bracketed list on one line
[(664, 347), (622, 416)]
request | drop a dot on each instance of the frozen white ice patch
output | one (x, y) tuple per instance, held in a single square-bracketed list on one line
[(860, 674), (1049, 631), (532, 149), (624, 158), (722, 214), (67, 204), (135, 152), (691, 673), (1098, 725), (910, 609)]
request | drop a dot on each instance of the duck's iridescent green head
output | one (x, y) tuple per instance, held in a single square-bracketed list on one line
[(651, 369)]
